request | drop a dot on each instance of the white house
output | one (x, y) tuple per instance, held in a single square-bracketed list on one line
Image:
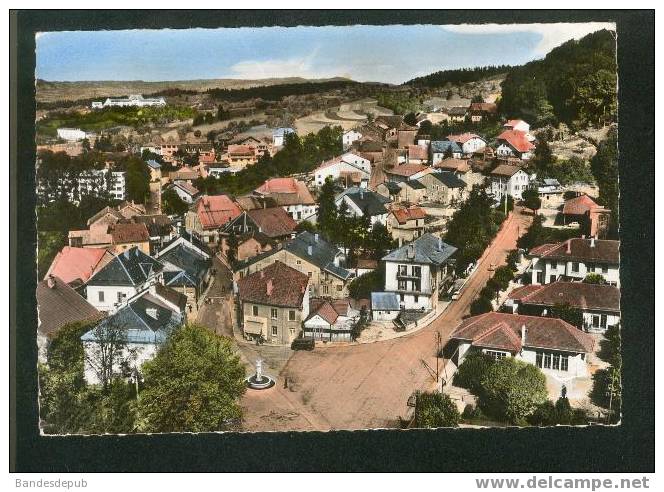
[(279, 136), (385, 306), (514, 143), (441, 149), (557, 348), (508, 180), (599, 304), (126, 275), (330, 320), (134, 100), (349, 137), (521, 126), (290, 194), (351, 169), (469, 142), (187, 192), (574, 259), (145, 323), (71, 134), (360, 202), (417, 271)]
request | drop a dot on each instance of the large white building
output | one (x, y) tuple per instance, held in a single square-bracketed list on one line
[(71, 134), (417, 270), (508, 180), (95, 182), (349, 137), (134, 100), (349, 168)]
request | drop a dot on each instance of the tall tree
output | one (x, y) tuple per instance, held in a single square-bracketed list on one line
[(108, 355), (193, 384), (531, 199), (137, 180), (327, 209), (604, 166)]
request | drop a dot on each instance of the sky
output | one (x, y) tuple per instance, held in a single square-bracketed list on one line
[(391, 54)]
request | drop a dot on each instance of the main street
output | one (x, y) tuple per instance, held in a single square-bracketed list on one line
[(367, 385)]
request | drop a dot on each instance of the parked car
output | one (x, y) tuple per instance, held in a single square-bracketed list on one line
[(303, 344)]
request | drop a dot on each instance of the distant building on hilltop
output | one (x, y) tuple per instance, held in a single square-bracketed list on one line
[(135, 100)]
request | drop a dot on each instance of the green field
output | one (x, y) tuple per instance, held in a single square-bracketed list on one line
[(103, 119)]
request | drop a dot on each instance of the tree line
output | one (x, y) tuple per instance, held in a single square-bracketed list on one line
[(458, 76), (278, 91)]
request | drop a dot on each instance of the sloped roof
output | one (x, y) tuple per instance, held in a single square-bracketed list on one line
[(462, 138), (368, 201), (139, 324), (516, 139), (440, 146), (426, 249), (505, 170), (322, 254), (580, 249), (449, 179), (157, 224), (414, 184), (188, 260), (246, 150), (76, 265), (153, 164), (418, 152), (286, 191), (128, 233), (407, 170), (575, 294), (384, 301), (451, 164), (493, 330), (189, 189), (106, 210), (215, 211), (484, 107), (131, 267), (273, 222), (324, 309), (392, 187), (579, 205), (59, 304), (275, 285), (403, 215)]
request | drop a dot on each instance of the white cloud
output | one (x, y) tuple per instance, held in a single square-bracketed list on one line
[(286, 67), (552, 35)]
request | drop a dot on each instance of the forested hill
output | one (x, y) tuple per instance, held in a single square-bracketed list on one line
[(458, 76), (574, 84)]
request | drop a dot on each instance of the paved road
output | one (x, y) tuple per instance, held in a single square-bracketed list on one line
[(367, 385)]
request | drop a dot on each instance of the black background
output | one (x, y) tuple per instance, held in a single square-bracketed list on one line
[(628, 447)]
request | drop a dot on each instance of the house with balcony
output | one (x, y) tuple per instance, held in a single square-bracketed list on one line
[(417, 271), (508, 180), (599, 304), (574, 259)]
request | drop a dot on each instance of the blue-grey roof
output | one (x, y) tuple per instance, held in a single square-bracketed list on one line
[(449, 179), (192, 266), (392, 187), (551, 182), (368, 201), (140, 326), (384, 301), (415, 184), (427, 249), (154, 164), (440, 146), (280, 132), (131, 267)]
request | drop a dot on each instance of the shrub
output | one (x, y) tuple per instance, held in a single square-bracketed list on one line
[(559, 414), (503, 276), (594, 278), (480, 305), (512, 259), (471, 412), (471, 371), (436, 410)]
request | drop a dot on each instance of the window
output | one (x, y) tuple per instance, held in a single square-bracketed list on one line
[(254, 310), (291, 331), (417, 271), (274, 313), (564, 363), (275, 331), (556, 362), (575, 267), (402, 285), (298, 262), (547, 360), (309, 274), (416, 285), (538, 359), (496, 355), (121, 296), (599, 320), (291, 315), (339, 288), (416, 299), (403, 269), (101, 296)]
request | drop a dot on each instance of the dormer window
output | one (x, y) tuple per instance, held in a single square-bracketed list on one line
[(152, 312)]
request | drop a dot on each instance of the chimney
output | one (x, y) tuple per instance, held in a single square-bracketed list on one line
[(310, 250), (316, 237), (524, 330), (411, 251), (440, 244), (568, 245), (592, 241), (269, 287), (50, 282)]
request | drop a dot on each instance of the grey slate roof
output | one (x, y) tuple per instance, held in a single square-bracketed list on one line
[(153, 164), (384, 301), (427, 249), (368, 201), (449, 179), (392, 187), (140, 326), (131, 267), (415, 184), (440, 146), (191, 265)]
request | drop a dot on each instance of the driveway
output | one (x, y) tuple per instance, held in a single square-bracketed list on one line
[(367, 386)]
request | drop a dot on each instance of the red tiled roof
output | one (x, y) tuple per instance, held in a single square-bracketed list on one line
[(484, 106), (512, 123), (215, 211), (580, 249), (187, 188), (451, 164), (403, 215), (246, 150), (273, 222), (129, 233), (493, 330), (418, 152), (275, 285), (278, 185), (579, 205), (575, 294), (516, 139), (76, 264), (325, 311), (286, 191), (462, 137), (407, 170)]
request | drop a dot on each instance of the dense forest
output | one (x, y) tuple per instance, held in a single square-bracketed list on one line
[(458, 76), (574, 84), (276, 92)]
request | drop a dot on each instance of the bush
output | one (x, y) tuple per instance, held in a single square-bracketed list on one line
[(594, 278), (481, 305), (364, 285), (503, 276), (436, 410), (471, 371), (559, 414), (512, 259)]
